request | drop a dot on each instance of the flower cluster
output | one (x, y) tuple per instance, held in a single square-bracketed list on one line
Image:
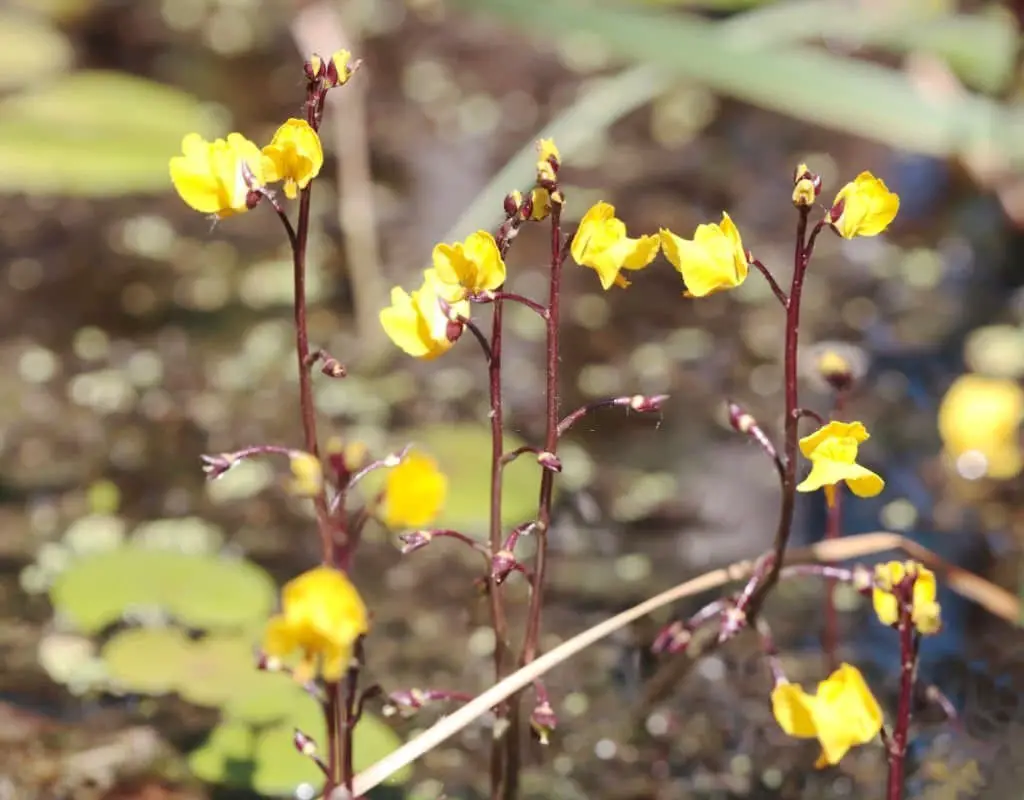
[(228, 176), (909, 583)]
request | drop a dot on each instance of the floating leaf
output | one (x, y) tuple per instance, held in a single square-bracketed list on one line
[(226, 756), (147, 660), (94, 133), (262, 697), (463, 453), (215, 664), (203, 591), (30, 49)]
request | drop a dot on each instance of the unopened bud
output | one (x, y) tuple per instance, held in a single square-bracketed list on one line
[(453, 330), (304, 744), (549, 461), (740, 420), (806, 187), (414, 540), (513, 202), (543, 721), (333, 368), (502, 563), (405, 701), (835, 366), (314, 68), (307, 474), (266, 663), (647, 403), (216, 465), (339, 70), (538, 206)]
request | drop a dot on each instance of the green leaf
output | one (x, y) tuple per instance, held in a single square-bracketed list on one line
[(808, 83), (31, 50), (203, 591), (94, 133), (147, 660)]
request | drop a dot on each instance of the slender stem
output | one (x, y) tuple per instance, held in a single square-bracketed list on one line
[(349, 719), (547, 481), (488, 348), (640, 403), (774, 284), (333, 719), (801, 257), (491, 297), (908, 670), (500, 754)]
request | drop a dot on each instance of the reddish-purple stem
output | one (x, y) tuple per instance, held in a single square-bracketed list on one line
[(897, 744)]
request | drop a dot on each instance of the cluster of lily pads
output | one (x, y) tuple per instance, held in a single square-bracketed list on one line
[(160, 611)]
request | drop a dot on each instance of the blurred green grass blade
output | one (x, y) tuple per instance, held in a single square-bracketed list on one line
[(980, 48), (856, 97), (599, 107)]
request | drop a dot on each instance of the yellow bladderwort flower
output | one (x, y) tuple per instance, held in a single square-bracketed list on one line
[(981, 416), (832, 450), (307, 478), (294, 156), (414, 493), (417, 323), (548, 161), (713, 261), (925, 613), (864, 207), (475, 264), (322, 615), (843, 713), (601, 244), (216, 177)]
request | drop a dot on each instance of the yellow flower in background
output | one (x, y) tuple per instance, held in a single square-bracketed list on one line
[(843, 713), (294, 156), (714, 260), (832, 450), (416, 322), (475, 264), (925, 612), (414, 493), (981, 416), (307, 474), (601, 244), (322, 615), (864, 207), (216, 177)]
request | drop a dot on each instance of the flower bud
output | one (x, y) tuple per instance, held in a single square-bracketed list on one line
[(304, 744), (645, 404), (740, 420), (513, 202), (314, 68), (673, 638), (339, 70), (543, 721), (549, 461), (414, 540), (835, 366), (333, 368), (216, 465), (806, 187), (502, 563), (453, 330)]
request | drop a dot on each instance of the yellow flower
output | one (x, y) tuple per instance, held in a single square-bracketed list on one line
[(925, 613), (216, 177), (322, 615), (416, 323), (982, 415), (307, 475), (540, 205), (294, 156), (712, 261), (414, 493), (476, 264), (864, 207), (832, 450), (601, 244), (841, 714)]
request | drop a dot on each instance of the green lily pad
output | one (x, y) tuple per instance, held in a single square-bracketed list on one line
[(30, 47), (226, 756), (203, 591), (463, 453), (95, 134), (215, 664), (260, 698), (147, 660)]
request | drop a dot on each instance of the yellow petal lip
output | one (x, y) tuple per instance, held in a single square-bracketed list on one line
[(864, 207), (926, 614), (414, 493), (416, 322), (832, 451), (842, 714), (294, 155), (601, 243), (321, 617), (216, 177), (714, 260), (475, 264)]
